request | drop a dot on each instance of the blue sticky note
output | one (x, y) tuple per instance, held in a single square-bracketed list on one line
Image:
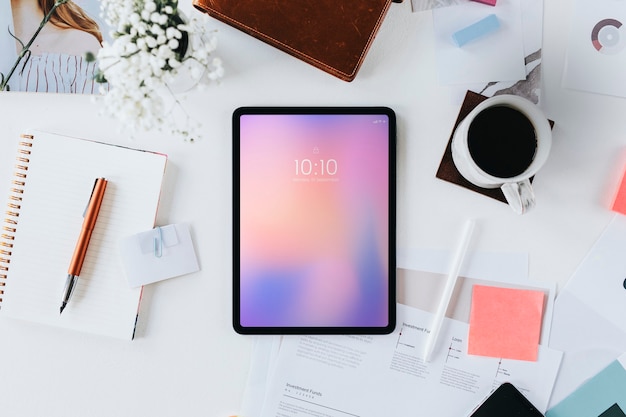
[(476, 30)]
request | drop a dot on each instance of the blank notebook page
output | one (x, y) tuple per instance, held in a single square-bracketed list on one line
[(60, 177)]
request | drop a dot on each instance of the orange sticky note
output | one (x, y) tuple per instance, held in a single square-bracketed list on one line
[(505, 322)]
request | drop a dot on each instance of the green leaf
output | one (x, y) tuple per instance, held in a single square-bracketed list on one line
[(100, 78), (16, 38), (90, 57)]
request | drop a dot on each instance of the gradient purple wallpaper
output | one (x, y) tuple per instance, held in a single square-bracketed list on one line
[(314, 220)]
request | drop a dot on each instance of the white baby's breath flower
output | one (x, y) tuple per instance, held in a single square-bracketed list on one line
[(150, 6), (173, 44), (144, 61)]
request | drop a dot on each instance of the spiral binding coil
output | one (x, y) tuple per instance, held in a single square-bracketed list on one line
[(12, 212)]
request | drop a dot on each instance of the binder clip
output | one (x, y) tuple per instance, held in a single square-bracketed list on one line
[(158, 242), (157, 254)]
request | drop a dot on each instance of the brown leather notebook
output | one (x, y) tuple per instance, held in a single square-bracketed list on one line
[(332, 35)]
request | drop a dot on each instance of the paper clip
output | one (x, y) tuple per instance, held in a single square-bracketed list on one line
[(158, 243)]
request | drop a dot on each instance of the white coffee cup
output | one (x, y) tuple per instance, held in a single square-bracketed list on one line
[(492, 147)]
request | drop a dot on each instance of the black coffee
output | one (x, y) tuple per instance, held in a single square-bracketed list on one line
[(502, 141)]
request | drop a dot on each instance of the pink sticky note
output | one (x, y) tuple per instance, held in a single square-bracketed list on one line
[(489, 2), (505, 322), (619, 204)]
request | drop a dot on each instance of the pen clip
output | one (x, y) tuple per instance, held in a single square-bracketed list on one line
[(91, 195), (158, 243)]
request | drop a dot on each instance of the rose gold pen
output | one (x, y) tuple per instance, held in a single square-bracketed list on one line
[(91, 215)]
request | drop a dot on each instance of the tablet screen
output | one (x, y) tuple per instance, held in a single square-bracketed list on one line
[(314, 220)]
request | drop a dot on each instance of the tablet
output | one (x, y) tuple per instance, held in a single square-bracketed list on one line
[(314, 220)]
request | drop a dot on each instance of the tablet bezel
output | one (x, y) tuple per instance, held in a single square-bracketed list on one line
[(386, 111)]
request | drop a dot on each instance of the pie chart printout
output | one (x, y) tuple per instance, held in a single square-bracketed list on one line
[(607, 36)]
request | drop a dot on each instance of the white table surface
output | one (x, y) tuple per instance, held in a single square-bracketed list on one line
[(186, 360)]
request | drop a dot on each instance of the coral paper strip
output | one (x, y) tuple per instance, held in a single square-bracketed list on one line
[(619, 204), (489, 2)]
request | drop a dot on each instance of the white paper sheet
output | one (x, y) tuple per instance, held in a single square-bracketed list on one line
[(158, 254), (385, 375), (588, 323), (493, 266), (421, 5), (264, 355), (591, 69), (529, 88), (497, 56)]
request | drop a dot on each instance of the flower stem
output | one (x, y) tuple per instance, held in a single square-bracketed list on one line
[(26, 48)]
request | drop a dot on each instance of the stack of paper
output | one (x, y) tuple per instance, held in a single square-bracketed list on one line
[(505, 62), (589, 313)]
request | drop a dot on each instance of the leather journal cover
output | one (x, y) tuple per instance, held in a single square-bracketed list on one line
[(332, 35)]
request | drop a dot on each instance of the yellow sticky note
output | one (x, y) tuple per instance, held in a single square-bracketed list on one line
[(505, 322)]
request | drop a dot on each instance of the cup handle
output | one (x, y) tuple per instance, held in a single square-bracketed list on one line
[(519, 195)]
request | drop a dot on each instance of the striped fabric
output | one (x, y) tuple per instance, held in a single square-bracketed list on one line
[(55, 73)]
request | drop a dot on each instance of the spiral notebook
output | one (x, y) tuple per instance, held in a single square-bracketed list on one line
[(48, 193)]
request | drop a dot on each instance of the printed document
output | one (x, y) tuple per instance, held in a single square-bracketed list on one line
[(370, 376)]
